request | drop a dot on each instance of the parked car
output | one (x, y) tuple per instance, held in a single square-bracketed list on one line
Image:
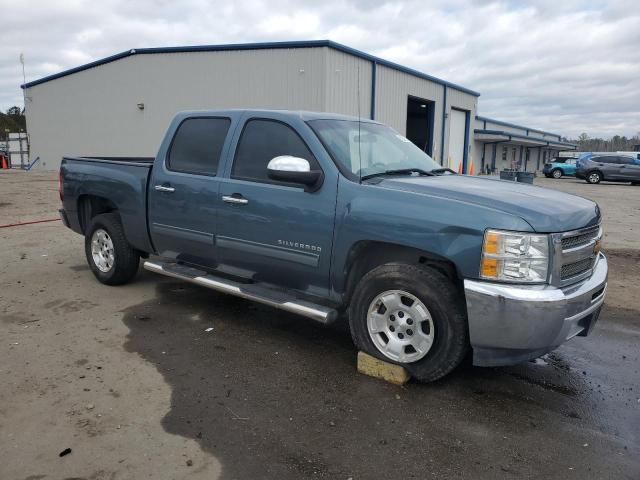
[(612, 167), (560, 167), (330, 217)]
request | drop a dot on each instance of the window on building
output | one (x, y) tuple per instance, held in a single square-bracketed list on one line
[(504, 154), (263, 140), (197, 145)]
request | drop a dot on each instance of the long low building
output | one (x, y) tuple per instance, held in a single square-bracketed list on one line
[(121, 105)]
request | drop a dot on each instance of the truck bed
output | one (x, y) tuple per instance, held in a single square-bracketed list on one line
[(120, 182)]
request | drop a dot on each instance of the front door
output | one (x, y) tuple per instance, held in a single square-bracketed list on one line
[(183, 191), (271, 231), (629, 169)]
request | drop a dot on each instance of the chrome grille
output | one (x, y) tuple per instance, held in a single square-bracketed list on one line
[(580, 239), (575, 255), (574, 269)]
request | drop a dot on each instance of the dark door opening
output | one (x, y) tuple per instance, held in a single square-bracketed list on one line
[(420, 123)]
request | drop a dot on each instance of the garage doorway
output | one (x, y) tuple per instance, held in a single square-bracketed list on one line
[(458, 140), (420, 123)]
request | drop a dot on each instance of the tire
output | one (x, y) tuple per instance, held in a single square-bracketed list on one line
[(556, 173), (547, 175), (593, 177), (443, 302), (111, 259)]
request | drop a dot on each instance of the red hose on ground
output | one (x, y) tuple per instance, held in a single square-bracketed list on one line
[(29, 223)]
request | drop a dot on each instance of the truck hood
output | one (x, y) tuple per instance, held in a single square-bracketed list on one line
[(544, 209)]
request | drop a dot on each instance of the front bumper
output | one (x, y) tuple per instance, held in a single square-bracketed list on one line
[(510, 324)]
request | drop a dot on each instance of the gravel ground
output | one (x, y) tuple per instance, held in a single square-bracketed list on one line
[(131, 381)]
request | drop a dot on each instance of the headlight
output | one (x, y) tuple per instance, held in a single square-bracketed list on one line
[(514, 257)]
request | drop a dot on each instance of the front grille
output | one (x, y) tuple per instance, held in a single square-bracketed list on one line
[(574, 269), (580, 239), (576, 254)]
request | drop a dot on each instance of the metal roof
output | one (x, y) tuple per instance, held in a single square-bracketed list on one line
[(253, 46), (502, 136), (513, 125)]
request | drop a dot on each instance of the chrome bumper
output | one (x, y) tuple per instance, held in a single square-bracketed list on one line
[(509, 324)]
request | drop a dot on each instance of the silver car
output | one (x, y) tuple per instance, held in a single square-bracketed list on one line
[(612, 167)]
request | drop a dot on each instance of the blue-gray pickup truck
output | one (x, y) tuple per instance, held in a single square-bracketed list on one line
[(334, 217)]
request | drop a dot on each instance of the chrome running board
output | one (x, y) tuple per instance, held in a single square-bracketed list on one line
[(257, 293)]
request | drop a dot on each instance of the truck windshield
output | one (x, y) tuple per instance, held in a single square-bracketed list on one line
[(370, 148)]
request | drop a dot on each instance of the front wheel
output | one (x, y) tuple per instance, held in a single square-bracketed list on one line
[(111, 259), (557, 173), (594, 177), (410, 316)]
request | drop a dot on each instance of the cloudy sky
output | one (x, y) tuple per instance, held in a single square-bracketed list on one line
[(561, 65)]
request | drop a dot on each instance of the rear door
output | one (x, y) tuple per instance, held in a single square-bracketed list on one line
[(271, 231), (183, 190)]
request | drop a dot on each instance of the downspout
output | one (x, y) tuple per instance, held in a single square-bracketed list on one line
[(373, 90), (444, 118)]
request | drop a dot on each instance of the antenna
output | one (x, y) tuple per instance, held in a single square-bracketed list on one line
[(359, 139)]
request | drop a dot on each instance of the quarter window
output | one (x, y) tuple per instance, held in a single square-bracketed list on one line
[(197, 145), (263, 140)]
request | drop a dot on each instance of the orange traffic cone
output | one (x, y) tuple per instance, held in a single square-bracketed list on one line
[(5, 165), (460, 168), (471, 171)]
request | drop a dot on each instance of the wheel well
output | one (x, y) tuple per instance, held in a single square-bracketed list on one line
[(90, 206), (367, 255)]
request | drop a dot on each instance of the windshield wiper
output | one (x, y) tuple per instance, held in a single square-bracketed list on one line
[(398, 171), (438, 171)]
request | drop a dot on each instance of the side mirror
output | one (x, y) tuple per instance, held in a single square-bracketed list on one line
[(286, 168)]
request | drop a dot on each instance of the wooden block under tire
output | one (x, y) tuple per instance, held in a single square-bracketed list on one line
[(380, 369)]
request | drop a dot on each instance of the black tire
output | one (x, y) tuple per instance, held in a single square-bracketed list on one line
[(556, 173), (126, 258), (444, 302), (594, 177)]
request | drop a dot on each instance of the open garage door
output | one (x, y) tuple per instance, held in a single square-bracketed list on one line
[(457, 140), (420, 123)]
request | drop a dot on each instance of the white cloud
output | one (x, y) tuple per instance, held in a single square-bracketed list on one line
[(563, 66)]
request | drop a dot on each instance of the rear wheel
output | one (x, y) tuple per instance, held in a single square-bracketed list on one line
[(594, 177), (411, 316), (111, 259), (556, 173)]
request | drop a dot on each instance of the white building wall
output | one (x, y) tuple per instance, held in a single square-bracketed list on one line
[(342, 88), (94, 111)]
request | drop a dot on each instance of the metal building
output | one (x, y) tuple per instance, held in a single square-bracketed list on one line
[(121, 105)]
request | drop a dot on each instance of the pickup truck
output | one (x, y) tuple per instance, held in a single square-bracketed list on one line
[(339, 218)]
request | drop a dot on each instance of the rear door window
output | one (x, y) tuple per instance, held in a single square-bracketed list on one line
[(197, 145)]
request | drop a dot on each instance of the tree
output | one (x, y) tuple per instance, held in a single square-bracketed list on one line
[(583, 137)]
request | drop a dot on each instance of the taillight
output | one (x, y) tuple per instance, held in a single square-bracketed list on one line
[(60, 188)]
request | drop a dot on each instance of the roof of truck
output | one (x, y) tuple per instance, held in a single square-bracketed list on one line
[(302, 114)]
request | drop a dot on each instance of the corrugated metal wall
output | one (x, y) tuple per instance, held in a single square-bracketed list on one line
[(342, 84), (94, 112)]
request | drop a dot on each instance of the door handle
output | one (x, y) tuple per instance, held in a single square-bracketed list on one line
[(162, 188), (235, 199)]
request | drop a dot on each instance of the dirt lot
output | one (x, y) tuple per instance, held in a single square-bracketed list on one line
[(129, 379)]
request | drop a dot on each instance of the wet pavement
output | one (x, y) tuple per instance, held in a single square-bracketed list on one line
[(275, 395)]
